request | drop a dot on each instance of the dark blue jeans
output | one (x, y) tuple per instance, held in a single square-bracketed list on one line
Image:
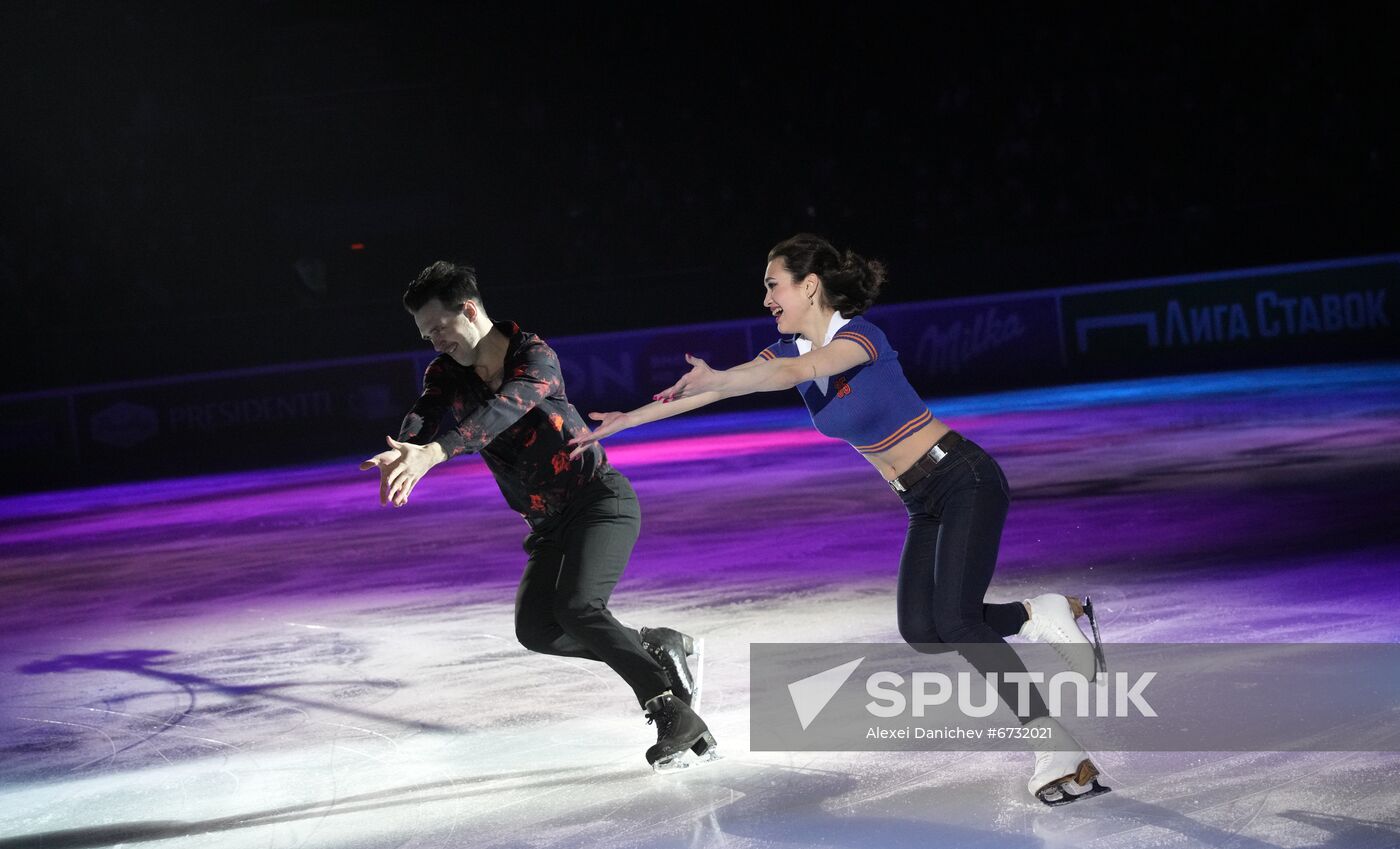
[(956, 515)]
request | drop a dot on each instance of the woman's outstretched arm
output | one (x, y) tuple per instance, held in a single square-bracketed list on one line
[(610, 423), (765, 375)]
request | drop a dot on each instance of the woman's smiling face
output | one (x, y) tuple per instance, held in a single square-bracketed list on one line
[(785, 297)]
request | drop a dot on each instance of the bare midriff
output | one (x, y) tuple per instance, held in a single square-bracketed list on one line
[(897, 460)]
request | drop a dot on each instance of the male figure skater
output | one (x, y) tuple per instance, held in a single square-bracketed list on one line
[(503, 390)]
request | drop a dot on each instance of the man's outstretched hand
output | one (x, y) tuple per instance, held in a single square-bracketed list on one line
[(401, 467)]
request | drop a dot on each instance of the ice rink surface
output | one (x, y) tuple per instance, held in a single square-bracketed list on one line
[(272, 660)]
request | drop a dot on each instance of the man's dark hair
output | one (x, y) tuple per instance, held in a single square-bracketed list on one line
[(452, 284)]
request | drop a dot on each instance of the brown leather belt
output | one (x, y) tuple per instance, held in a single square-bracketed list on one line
[(924, 465)]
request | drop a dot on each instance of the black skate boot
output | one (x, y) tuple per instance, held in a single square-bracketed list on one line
[(678, 728), (671, 648)]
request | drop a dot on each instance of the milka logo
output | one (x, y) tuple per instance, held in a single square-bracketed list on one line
[(948, 350)]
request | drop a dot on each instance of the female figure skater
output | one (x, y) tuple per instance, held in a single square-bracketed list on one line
[(954, 492)]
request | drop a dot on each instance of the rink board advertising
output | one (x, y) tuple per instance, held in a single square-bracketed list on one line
[(1335, 311), (1316, 312)]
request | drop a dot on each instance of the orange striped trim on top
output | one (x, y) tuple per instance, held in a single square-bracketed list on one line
[(905, 430), (767, 354), (860, 340)]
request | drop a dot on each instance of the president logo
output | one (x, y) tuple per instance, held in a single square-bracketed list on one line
[(124, 425)]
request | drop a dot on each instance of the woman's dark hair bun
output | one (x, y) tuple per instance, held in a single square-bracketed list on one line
[(850, 282), (866, 278)]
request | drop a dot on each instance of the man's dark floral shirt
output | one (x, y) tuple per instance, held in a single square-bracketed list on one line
[(521, 431)]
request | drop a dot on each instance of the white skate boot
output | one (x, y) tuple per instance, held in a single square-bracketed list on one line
[(1062, 776), (1052, 621)]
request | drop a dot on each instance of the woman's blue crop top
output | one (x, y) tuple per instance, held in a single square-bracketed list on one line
[(871, 406)]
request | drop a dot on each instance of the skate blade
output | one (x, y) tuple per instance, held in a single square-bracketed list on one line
[(682, 761), (1082, 784), (697, 674), (671, 763), (1058, 795), (709, 755), (1100, 664), (704, 750)]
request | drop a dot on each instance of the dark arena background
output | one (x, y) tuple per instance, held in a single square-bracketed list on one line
[(1147, 255)]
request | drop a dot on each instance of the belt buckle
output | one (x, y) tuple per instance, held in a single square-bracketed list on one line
[(897, 486), (937, 453)]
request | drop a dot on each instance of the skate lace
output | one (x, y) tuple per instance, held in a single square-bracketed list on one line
[(662, 720), (1048, 632), (672, 665), (1077, 659), (1058, 638)]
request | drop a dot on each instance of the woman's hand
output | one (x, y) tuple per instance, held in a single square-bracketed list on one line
[(700, 378), (611, 423)]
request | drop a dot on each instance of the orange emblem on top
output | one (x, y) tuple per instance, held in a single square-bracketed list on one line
[(842, 387), (560, 462)]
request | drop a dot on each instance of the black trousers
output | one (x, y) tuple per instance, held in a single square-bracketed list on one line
[(576, 558), (956, 516)]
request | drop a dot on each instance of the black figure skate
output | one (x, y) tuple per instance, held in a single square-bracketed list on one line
[(678, 730), (671, 648)]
